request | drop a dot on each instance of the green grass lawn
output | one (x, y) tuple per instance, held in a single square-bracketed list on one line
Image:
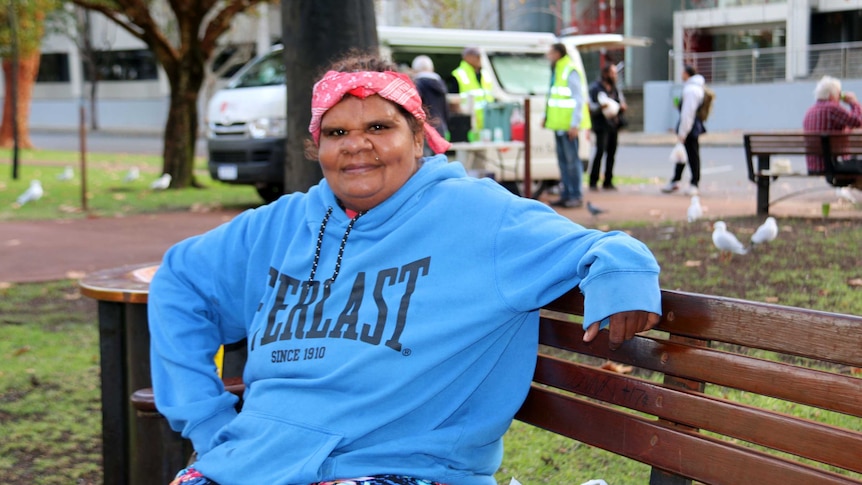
[(107, 192)]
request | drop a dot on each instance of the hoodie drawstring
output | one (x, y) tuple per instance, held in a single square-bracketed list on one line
[(340, 248)]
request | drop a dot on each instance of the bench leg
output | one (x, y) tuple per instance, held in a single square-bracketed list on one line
[(762, 186), (660, 477)]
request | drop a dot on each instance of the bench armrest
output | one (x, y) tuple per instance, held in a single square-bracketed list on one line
[(143, 400)]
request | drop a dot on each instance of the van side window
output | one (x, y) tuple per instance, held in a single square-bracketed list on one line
[(270, 71), (525, 74)]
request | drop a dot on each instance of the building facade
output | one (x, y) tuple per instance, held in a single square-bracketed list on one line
[(751, 51)]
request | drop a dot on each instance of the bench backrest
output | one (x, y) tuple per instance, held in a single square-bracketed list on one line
[(827, 145), (743, 371), (784, 143)]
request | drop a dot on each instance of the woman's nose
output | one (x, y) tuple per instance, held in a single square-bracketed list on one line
[(355, 141)]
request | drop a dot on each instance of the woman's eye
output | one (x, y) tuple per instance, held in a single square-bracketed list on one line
[(336, 132), (376, 127)]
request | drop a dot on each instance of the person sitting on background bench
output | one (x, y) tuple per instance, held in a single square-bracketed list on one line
[(827, 114), (391, 311)]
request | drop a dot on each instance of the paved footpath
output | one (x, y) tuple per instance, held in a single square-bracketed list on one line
[(58, 249), (33, 251)]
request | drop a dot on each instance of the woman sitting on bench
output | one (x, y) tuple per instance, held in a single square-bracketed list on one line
[(828, 114), (391, 311)]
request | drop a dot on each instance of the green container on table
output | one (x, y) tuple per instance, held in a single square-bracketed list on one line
[(498, 116)]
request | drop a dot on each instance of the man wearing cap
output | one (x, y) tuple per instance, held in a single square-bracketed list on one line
[(471, 83), (567, 112)]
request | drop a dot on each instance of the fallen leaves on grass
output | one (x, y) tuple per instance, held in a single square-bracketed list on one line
[(618, 368), (21, 351)]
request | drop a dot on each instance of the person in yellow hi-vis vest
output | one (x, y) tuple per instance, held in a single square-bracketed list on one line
[(567, 112), (471, 83)]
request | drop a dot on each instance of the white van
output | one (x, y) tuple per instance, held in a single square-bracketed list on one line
[(246, 120)]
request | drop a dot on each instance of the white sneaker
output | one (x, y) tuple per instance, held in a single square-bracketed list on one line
[(692, 190), (670, 187)]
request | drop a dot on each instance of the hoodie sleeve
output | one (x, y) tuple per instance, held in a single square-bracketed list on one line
[(196, 304), (543, 255)]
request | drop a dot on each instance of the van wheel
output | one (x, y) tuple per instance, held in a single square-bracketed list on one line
[(270, 192)]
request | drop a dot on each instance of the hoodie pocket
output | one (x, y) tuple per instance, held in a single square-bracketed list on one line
[(262, 448)]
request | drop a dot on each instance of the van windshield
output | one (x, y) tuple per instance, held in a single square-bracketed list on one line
[(526, 74), (267, 71)]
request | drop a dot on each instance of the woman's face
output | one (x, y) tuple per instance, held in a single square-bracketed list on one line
[(367, 150)]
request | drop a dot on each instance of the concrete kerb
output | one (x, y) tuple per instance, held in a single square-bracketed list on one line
[(729, 138)]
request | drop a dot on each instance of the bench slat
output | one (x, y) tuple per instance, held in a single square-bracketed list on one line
[(830, 337), (773, 430), (809, 386), (699, 457)]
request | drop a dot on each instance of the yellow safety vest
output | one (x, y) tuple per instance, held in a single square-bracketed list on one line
[(561, 105), (468, 85)]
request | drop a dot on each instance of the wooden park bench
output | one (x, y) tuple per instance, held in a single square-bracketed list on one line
[(724, 391), (763, 146)]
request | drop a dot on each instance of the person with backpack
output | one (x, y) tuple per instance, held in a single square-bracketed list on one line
[(689, 128)]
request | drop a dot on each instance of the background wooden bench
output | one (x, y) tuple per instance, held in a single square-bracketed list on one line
[(763, 146), (700, 402)]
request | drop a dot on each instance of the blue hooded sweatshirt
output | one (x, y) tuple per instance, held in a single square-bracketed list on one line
[(400, 342)]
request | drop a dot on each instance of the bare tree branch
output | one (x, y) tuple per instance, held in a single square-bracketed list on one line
[(221, 22), (134, 17)]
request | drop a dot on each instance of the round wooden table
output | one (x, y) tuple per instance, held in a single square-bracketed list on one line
[(137, 449), (133, 450)]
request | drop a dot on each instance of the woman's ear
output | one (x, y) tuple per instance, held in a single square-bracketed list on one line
[(418, 145)]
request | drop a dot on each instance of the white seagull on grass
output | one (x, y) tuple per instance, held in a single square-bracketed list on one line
[(767, 232), (33, 193), (68, 174), (726, 242), (162, 182), (132, 175), (695, 211)]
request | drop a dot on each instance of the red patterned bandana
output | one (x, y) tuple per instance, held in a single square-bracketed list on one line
[(394, 86)]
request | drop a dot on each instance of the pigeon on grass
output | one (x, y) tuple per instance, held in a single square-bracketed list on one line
[(594, 211)]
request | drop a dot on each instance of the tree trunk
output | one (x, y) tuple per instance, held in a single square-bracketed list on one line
[(28, 69), (181, 129), (322, 30)]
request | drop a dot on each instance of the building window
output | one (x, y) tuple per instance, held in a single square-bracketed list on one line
[(53, 68), (130, 65)]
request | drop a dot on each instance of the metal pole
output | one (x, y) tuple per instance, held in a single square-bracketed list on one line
[(500, 15), (13, 85), (82, 132), (528, 179)]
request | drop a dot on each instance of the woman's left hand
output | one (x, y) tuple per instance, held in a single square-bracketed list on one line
[(623, 326)]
